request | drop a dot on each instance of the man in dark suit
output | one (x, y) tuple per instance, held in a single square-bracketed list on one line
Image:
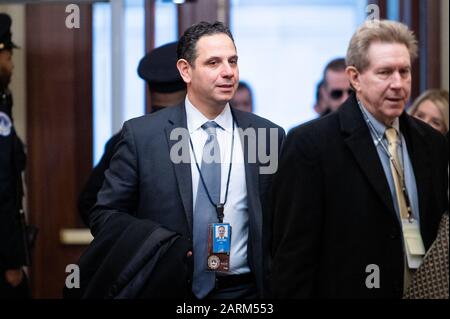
[(186, 185), (359, 194)]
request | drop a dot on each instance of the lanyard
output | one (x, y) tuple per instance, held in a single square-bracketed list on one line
[(397, 167), (219, 206)]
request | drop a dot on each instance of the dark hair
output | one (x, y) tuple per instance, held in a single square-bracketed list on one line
[(188, 41), (336, 65), (318, 87), (244, 85)]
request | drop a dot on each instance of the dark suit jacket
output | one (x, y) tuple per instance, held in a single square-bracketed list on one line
[(131, 258), (142, 181), (88, 195), (334, 213)]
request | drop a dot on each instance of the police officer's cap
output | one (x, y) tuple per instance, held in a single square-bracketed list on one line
[(159, 69), (5, 32)]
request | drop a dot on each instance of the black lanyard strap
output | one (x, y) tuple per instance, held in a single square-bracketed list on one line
[(219, 206)]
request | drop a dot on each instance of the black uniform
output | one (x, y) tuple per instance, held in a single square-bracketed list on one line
[(88, 196), (12, 163)]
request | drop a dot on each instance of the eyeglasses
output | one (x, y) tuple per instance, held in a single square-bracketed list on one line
[(337, 94)]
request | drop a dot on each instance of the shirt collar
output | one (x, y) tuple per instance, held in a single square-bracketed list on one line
[(195, 119), (380, 128)]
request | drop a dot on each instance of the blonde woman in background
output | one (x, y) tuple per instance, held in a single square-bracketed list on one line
[(432, 108)]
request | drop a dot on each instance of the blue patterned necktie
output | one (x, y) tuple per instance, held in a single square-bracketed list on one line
[(205, 213)]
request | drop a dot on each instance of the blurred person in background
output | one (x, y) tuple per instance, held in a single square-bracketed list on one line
[(432, 108), (336, 85), (243, 99), (320, 106)]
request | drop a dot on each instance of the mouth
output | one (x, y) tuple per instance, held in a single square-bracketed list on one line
[(225, 86), (395, 99)]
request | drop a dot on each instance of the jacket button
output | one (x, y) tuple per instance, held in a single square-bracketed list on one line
[(189, 254)]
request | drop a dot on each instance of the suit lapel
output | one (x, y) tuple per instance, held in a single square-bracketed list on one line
[(251, 169), (360, 143), (182, 170), (420, 159)]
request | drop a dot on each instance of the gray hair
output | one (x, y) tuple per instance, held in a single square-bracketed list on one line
[(383, 31)]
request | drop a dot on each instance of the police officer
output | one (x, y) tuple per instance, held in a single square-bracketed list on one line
[(13, 281), (166, 87), (159, 69)]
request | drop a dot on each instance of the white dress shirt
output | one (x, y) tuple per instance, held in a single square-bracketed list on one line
[(236, 209)]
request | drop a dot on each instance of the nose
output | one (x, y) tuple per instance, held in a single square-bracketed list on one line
[(227, 70), (396, 80)]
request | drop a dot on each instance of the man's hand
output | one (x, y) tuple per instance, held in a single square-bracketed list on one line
[(14, 276)]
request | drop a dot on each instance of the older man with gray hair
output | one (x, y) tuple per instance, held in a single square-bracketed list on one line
[(360, 193)]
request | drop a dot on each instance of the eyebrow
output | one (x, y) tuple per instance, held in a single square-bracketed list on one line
[(390, 67), (218, 57)]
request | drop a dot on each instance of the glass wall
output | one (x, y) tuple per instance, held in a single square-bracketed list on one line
[(283, 46), (165, 22), (119, 93), (101, 77), (134, 50)]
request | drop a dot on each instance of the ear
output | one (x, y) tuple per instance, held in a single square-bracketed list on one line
[(184, 68), (353, 75), (316, 108)]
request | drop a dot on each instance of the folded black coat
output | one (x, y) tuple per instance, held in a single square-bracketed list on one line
[(133, 258)]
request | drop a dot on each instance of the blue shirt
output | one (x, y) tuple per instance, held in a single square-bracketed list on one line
[(405, 162)]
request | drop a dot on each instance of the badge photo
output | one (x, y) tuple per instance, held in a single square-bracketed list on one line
[(221, 238)]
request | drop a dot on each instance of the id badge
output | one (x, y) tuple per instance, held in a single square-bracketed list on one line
[(219, 246), (414, 248)]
